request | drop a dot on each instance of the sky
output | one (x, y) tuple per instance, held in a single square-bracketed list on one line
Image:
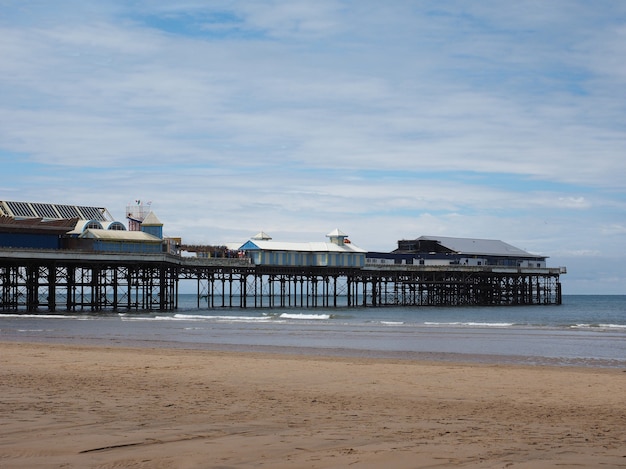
[(387, 120)]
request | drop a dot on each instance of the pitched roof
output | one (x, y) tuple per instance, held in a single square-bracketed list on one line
[(473, 246), (337, 233), (300, 247), (261, 235), (59, 226), (121, 236), (151, 220)]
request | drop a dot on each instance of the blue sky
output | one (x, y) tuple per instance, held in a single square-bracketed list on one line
[(387, 120)]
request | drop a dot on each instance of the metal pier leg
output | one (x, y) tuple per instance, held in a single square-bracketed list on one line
[(52, 293)]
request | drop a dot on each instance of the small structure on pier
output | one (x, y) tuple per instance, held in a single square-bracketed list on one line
[(142, 218), (338, 252), (120, 241)]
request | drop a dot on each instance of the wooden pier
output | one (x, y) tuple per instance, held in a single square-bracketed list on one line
[(49, 281)]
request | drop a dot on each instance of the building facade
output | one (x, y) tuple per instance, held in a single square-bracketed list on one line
[(337, 252), (33, 225), (441, 250)]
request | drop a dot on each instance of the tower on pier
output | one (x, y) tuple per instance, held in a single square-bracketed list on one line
[(142, 218)]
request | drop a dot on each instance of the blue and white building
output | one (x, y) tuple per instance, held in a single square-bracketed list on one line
[(37, 225), (338, 251)]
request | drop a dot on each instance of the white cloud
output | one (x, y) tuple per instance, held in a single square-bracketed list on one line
[(573, 202), (296, 18), (614, 229)]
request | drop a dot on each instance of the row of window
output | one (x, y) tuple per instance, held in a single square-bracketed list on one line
[(308, 259)]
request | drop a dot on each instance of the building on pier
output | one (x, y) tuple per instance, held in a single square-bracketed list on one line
[(337, 252), (34, 225), (442, 250), (119, 241), (56, 226)]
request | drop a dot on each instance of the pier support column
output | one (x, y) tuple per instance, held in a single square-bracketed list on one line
[(32, 288), (374, 291), (52, 293)]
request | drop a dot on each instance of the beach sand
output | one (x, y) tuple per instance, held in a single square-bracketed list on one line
[(107, 407)]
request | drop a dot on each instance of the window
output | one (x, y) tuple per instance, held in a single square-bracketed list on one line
[(21, 209), (68, 211), (91, 213), (93, 225), (45, 210)]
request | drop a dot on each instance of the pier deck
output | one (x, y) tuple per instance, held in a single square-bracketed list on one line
[(42, 280)]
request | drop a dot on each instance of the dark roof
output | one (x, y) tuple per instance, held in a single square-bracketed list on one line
[(36, 225), (53, 211), (473, 246)]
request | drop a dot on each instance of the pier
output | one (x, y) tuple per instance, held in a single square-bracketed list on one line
[(64, 280)]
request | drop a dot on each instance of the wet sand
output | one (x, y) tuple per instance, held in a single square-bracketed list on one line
[(105, 407)]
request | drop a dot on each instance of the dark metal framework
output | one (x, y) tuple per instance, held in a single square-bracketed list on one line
[(105, 284), (34, 286), (311, 287), (460, 287)]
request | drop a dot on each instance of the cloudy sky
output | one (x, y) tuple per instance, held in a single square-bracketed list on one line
[(387, 120)]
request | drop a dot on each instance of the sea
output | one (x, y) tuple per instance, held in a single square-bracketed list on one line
[(586, 330)]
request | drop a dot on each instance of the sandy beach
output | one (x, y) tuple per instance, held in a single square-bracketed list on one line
[(102, 407)]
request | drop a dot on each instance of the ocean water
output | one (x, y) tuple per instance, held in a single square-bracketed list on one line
[(586, 330)]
